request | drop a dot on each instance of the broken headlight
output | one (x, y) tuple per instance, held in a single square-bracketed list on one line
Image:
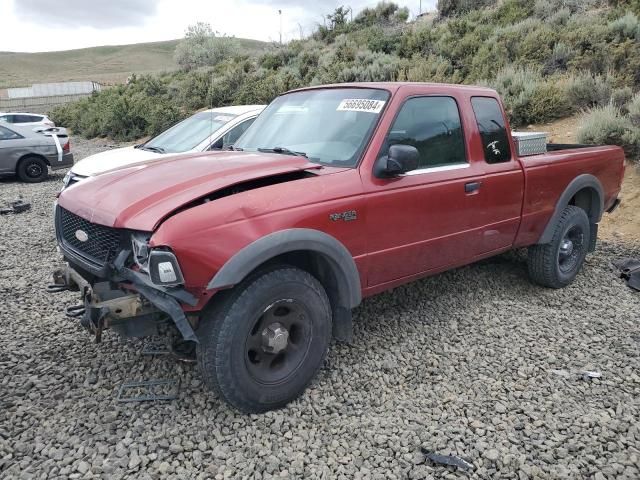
[(140, 249)]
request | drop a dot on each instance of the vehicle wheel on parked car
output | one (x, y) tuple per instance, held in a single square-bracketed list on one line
[(32, 169), (263, 343), (556, 264)]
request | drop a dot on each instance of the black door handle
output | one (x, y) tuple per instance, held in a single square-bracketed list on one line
[(472, 187)]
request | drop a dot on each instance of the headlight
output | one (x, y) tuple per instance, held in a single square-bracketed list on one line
[(164, 268), (140, 249), (66, 179)]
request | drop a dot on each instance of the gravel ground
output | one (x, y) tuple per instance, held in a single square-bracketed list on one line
[(475, 362)]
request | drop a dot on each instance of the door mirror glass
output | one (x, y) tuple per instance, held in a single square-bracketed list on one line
[(400, 159)]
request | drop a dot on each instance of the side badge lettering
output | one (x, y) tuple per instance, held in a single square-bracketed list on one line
[(347, 216)]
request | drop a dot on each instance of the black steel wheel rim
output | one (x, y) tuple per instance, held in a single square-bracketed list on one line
[(34, 170), (266, 364), (571, 247)]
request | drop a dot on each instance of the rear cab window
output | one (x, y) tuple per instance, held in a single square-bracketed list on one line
[(493, 129)]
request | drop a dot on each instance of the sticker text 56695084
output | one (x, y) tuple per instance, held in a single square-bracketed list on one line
[(360, 105)]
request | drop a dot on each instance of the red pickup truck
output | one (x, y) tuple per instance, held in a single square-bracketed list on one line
[(258, 255)]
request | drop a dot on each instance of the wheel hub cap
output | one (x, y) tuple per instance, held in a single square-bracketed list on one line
[(275, 338), (566, 249)]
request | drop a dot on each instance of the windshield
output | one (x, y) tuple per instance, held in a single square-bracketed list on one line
[(189, 133), (329, 126)]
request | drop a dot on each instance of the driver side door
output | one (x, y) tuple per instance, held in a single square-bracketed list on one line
[(428, 219)]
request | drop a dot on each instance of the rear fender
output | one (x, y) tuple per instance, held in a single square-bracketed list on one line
[(584, 182)]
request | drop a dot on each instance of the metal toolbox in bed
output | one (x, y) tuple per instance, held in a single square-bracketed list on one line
[(530, 143)]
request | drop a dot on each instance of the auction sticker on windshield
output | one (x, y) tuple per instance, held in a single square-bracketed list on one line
[(360, 105)]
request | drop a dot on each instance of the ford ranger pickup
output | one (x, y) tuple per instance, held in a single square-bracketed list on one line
[(257, 256)]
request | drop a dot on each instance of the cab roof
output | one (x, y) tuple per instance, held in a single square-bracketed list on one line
[(395, 86)]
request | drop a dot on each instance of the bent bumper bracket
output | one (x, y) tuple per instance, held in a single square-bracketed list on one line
[(162, 300)]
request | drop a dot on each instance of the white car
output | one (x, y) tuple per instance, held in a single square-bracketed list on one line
[(26, 119), (213, 129)]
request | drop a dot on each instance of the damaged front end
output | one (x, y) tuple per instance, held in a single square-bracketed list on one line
[(124, 285)]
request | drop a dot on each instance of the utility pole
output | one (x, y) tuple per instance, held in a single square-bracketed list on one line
[(420, 7), (280, 13)]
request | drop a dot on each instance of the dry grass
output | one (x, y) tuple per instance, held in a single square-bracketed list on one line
[(108, 64)]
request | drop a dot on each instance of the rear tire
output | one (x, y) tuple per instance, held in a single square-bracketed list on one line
[(262, 344), (557, 263), (32, 170)]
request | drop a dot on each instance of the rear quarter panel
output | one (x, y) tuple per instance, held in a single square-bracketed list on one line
[(547, 176)]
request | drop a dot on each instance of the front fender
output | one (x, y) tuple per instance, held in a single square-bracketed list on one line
[(292, 240)]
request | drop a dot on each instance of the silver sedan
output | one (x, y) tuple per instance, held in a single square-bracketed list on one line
[(30, 154)]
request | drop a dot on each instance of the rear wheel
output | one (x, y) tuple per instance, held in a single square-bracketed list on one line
[(262, 345), (556, 264), (32, 170)]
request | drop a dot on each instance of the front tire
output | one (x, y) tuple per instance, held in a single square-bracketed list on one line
[(557, 263), (263, 343), (32, 170)]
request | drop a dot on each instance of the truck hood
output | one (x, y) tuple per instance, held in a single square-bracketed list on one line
[(116, 158), (140, 197)]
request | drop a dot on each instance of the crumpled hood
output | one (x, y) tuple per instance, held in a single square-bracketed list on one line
[(141, 196), (110, 159)]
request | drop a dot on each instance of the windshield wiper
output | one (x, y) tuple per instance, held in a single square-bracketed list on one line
[(234, 149), (282, 150), (152, 149)]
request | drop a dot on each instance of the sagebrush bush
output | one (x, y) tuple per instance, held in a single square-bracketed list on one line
[(634, 110), (626, 27), (607, 126), (530, 98), (587, 91), (621, 97)]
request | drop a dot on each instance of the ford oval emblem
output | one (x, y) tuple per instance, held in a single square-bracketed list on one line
[(82, 235)]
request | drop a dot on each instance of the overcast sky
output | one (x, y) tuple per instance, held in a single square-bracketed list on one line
[(43, 25)]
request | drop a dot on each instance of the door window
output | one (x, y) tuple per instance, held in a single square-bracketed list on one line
[(432, 125), (493, 129), (232, 136)]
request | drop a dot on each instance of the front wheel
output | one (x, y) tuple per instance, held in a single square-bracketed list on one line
[(557, 263), (262, 345)]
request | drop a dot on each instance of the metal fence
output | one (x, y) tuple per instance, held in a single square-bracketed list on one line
[(37, 104)]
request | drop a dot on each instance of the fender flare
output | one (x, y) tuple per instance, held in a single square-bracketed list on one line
[(579, 183), (296, 239)]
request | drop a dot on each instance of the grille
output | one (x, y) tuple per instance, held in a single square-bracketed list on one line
[(102, 245)]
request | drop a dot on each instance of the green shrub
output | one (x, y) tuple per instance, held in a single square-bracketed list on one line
[(626, 27), (634, 110), (448, 8), (587, 91), (513, 11), (607, 126), (530, 98), (621, 97)]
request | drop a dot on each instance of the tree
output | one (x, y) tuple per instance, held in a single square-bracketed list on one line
[(339, 17), (202, 47)]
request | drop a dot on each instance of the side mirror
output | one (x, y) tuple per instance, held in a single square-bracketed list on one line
[(400, 159)]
